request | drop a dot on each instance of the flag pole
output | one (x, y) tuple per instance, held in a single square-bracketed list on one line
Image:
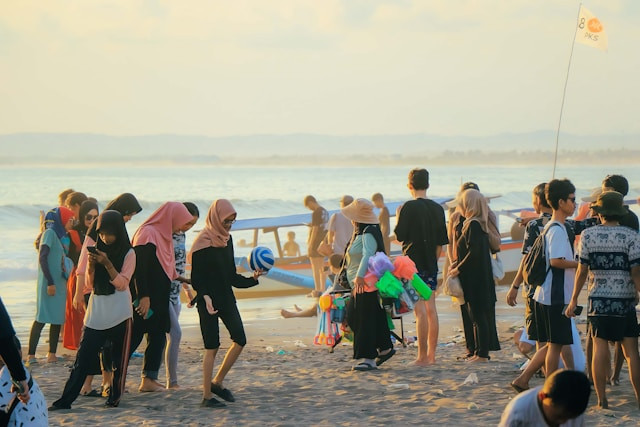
[(564, 93)]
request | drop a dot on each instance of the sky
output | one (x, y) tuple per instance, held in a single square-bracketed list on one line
[(353, 67)]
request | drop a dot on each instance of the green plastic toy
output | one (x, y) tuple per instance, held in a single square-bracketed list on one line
[(421, 287)]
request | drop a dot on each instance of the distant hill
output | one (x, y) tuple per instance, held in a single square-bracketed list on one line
[(71, 148)]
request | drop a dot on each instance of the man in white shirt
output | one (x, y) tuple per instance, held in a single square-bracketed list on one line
[(340, 228), (552, 325), (561, 401)]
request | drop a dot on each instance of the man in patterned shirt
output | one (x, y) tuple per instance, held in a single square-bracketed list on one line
[(610, 258)]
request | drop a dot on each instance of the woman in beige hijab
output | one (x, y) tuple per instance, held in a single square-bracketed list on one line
[(476, 277)]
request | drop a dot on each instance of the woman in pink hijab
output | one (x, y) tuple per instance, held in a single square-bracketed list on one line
[(155, 268), (213, 273)]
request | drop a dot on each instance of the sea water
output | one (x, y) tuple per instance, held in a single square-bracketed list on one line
[(254, 191)]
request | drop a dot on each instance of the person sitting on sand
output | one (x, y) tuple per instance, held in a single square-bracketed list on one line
[(561, 401), (213, 273), (291, 247), (335, 265)]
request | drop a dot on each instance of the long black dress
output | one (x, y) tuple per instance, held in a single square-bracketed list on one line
[(476, 278), (150, 281)]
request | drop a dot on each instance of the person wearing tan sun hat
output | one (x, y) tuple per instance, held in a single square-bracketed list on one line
[(372, 342)]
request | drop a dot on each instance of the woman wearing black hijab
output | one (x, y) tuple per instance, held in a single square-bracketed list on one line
[(109, 312), (128, 206)]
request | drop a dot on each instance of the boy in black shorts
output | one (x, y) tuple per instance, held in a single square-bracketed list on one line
[(610, 257), (551, 324)]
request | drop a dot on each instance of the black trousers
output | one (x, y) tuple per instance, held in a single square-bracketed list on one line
[(156, 341), (368, 321), (34, 337), (92, 341), (484, 328), (95, 367), (467, 326)]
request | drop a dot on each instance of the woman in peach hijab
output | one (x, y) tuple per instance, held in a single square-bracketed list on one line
[(213, 273), (155, 268)]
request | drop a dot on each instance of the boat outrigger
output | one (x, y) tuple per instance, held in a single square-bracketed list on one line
[(292, 275)]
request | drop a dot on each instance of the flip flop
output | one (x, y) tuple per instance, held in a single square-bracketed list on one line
[(364, 366), (224, 393), (384, 357), (105, 391), (465, 357), (517, 388)]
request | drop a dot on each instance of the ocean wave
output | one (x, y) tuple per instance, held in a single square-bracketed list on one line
[(13, 274)]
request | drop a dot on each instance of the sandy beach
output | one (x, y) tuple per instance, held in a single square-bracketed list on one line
[(283, 379)]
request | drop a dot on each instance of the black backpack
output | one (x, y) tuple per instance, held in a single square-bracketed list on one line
[(534, 263)]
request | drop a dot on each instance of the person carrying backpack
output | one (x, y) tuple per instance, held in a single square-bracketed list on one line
[(554, 201), (533, 230)]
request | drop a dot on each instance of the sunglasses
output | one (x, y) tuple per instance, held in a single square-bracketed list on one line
[(90, 217), (228, 221), (573, 199)]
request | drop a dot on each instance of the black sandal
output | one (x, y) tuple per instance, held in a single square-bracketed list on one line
[(384, 357), (212, 403), (224, 393)]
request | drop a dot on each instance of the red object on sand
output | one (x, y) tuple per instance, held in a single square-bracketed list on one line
[(73, 319)]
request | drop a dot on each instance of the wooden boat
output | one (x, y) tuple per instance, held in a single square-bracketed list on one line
[(292, 276)]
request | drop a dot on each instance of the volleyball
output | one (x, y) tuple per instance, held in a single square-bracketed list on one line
[(261, 258)]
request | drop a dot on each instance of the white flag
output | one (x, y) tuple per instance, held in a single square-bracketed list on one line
[(590, 30)]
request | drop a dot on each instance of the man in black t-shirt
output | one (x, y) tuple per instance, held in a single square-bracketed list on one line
[(317, 233), (421, 229)]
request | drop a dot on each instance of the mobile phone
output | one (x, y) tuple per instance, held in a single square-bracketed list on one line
[(577, 311), (92, 249), (149, 312), (18, 388)]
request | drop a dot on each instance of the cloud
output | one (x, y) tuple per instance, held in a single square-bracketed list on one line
[(282, 66)]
